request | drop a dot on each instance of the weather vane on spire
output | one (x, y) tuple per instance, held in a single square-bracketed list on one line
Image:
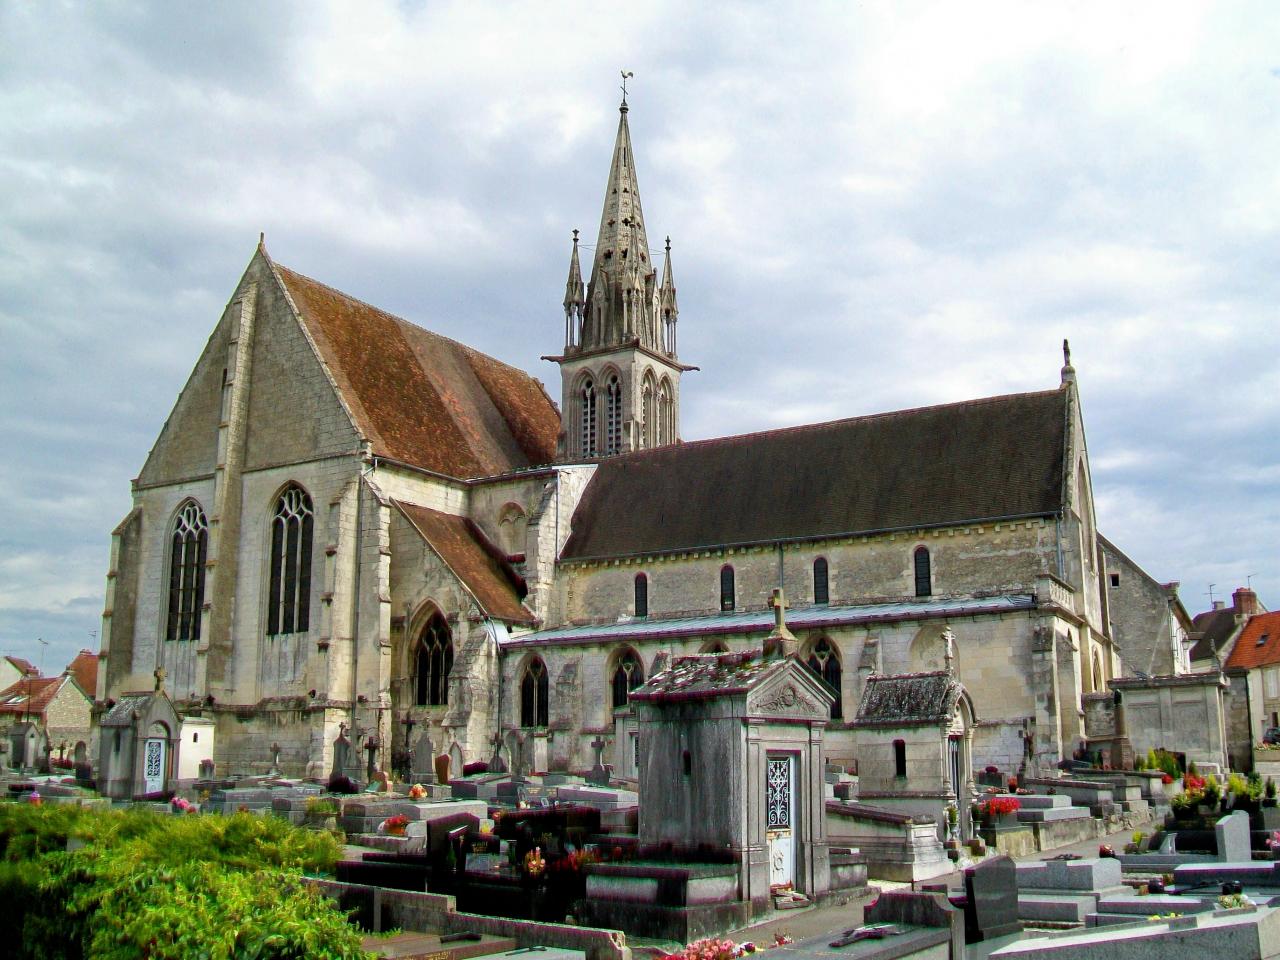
[(626, 75)]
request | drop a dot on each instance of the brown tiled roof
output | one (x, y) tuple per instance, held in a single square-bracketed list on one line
[(1259, 642), (477, 563), (1215, 628), (909, 699), (41, 690), (982, 460), (421, 398), (24, 667), (85, 669)]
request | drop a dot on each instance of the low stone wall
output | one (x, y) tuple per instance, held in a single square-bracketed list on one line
[(896, 846), (412, 910)]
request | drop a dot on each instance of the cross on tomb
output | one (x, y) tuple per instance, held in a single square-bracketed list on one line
[(598, 745), (159, 675)]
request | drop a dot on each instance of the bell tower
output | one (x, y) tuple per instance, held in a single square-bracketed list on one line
[(620, 372)]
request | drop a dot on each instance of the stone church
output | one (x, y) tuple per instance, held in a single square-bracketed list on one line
[(350, 520)]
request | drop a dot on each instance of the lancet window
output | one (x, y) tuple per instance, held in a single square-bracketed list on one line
[(433, 662), (587, 417), (642, 595), (627, 675), (289, 603), (924, 573), (727, 588), (821, 592), (188, 548), (535, 695), (613, 416), (825, 662)]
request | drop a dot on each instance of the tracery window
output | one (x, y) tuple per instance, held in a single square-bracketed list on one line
[(825, 662), (642, 595), (188, 548), (289, 603), (821, 591), (666, 415), (924, 574), (727, 591), (433, 662), (627, 675), (613, 416), (535, 695), (648, 418)]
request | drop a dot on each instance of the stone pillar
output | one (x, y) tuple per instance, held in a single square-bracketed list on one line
[(1121, 749), (1044, 675)]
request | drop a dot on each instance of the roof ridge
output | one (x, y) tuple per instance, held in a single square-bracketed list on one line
[(867, 417)]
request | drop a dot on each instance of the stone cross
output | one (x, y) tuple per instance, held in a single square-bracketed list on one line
[(782, 642), (275, 761), (598, 745), (949, 649), (159, 675)]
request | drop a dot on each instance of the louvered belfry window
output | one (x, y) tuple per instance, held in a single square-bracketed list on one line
[(188, 550), (613, 416), (587, 411), (289, 603)]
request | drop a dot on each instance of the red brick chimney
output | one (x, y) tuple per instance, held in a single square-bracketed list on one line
[(1245, 602)]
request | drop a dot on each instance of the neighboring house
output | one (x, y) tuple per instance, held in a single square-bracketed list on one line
[(1256, 656), (1149, 624), (13, 669), (1214, 632), (59, 705), (350, 521), (84, 667)]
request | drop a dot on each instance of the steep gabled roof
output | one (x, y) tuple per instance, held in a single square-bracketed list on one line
[(421, 398), (1259, 643), (1215, 628), (24, 667), (85, 670), (477, 563), (983, 460), (40, 690), (909, 699)]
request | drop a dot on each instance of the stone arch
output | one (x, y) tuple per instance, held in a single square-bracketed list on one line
[(511, 528), (624, 672), (714, 646), (927, 650)]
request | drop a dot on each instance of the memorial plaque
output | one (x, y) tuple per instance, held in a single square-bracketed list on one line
[(991, 900)]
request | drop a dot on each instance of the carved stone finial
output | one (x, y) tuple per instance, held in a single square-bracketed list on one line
[(1066, 352), (1068, 371)]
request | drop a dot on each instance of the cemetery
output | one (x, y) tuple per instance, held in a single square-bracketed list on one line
[(734, 817)]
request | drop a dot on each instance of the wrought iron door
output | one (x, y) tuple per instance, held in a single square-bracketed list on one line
[(779, 794)]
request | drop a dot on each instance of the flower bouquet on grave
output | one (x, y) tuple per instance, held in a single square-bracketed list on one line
[(394, 826), (995, 809)]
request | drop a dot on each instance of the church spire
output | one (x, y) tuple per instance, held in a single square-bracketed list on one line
[(621, 293), (668, 310), (574, 299)]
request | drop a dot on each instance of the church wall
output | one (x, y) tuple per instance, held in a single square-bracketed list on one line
[(119, 617), (1142, 622), (989, 559), (425, 490), (288, 377), (159, 506)]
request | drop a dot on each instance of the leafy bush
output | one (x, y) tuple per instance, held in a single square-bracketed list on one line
[(160, 886)]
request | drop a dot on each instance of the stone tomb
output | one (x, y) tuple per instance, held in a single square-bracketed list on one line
[(990, 900), (138, 739)]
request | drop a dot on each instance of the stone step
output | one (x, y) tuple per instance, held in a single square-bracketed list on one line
[(1152, 904), (1051, 814), (1040, 801), (1056, 908)]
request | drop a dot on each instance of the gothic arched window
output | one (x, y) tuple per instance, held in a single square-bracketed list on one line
[(924, 575), (627, 675), (587, 415), (613, 416), (825, 662), (1099, 681), (666, 413), (821, 593), (535, 695), (727, 591), (642, 595), (648, 416), (432, 663), (187, 551), (289, 603)]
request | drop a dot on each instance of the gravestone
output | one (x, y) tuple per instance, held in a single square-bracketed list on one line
[(1233, 838), (341, 753), (423, 754), (496, 762), (456, 761), (991, 900), (600, 771), (275, 761), (442, 768)]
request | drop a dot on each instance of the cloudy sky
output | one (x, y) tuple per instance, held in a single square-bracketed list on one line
[(872, 206)]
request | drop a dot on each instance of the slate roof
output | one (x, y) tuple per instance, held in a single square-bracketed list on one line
[(421, 398), (85, 669), (982, 460), (762, 621), (41, 690), (1215, 628), (909, 699), (473, 559), (121, 715), (708, 675), (1259, 643)]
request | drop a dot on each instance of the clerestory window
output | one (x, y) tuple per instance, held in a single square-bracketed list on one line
[(924, 574)]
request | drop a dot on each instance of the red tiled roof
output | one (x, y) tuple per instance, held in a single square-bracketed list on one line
[(424, 399), (85, 669), (41, 690), (476, 562), (1259, 642), (24, 667)]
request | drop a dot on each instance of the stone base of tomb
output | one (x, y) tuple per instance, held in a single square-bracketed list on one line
[(664, 901)]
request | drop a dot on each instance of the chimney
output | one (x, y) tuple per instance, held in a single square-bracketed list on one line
[(1219, 604), (1245, 602)]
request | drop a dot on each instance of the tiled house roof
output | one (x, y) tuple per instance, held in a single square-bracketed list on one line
[(1259, 643), (40, 690), (473, 560), (421, 398), (983, 460), (1215, 628), (85, 669), (24, 667)]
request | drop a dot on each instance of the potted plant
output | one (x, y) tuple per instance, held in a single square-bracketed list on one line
[(1269, 793)]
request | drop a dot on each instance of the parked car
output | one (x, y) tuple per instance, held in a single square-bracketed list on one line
[(1271, 735)]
